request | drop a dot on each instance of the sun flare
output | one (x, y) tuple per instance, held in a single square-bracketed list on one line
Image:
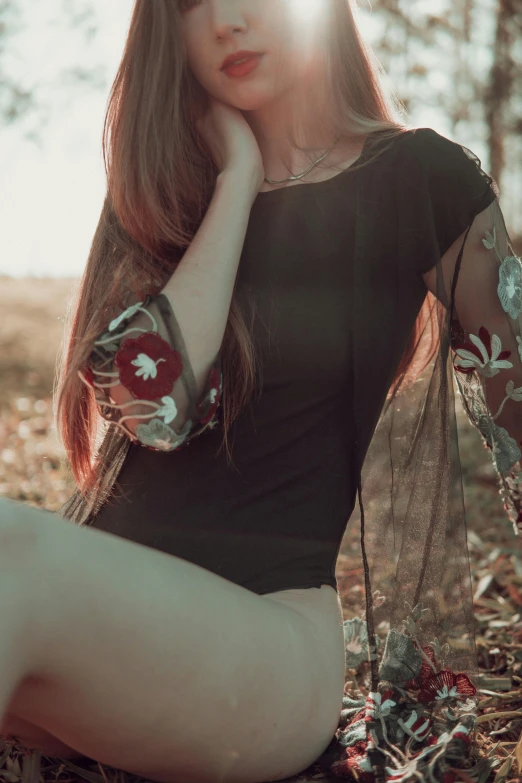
[(307, 10)]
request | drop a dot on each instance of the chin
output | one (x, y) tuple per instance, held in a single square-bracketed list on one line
[(249, 102)]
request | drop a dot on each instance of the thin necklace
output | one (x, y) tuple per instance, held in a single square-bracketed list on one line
[(299, 176)]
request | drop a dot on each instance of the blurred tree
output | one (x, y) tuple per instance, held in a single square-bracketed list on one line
[(24, 98), (462, 58), (503, 112), (14, 101)]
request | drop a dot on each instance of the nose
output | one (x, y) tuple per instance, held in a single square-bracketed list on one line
[(227, 19)]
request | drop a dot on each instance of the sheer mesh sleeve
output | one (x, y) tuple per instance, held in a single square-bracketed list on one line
[(144, 381), (486, 338), (415, 716), (471, 266)]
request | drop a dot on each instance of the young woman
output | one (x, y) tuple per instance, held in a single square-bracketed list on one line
[(279, 258)]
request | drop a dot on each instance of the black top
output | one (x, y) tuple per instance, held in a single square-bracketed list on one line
[(335, 269), (275, 519)]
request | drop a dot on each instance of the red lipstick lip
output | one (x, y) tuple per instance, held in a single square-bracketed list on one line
[(232, 58)]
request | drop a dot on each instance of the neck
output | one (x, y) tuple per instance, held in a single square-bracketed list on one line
[(272, 125)]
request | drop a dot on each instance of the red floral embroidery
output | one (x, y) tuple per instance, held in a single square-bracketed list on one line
[(417, 726), (359, 749), (461, 736), (445, 684), (354, 756), (148, 366)]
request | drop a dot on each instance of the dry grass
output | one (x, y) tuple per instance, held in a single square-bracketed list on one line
[(33, 469), (32, 464)]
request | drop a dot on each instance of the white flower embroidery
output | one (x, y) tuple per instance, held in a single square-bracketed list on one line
[(375, 708), (160, 436), (446, 693), (210, 397), (491, 239), (510, 278), (490, 365), (418, 733), (355, 642), (148, 367), (128, 313), (169, 411), (512, 393), (510, 286), (505, 450)]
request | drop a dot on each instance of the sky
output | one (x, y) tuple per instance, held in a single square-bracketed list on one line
[(51, 192)]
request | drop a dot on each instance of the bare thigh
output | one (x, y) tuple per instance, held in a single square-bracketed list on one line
[(151, 664), (322, 607)]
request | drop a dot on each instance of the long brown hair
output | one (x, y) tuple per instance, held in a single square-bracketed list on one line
[(160, 179)]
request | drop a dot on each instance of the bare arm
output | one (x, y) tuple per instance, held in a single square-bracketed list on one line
[(166, 388), (156, 372), (200, 290)]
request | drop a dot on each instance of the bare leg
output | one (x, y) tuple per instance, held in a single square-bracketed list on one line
[(176, 675), (19, 621)]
